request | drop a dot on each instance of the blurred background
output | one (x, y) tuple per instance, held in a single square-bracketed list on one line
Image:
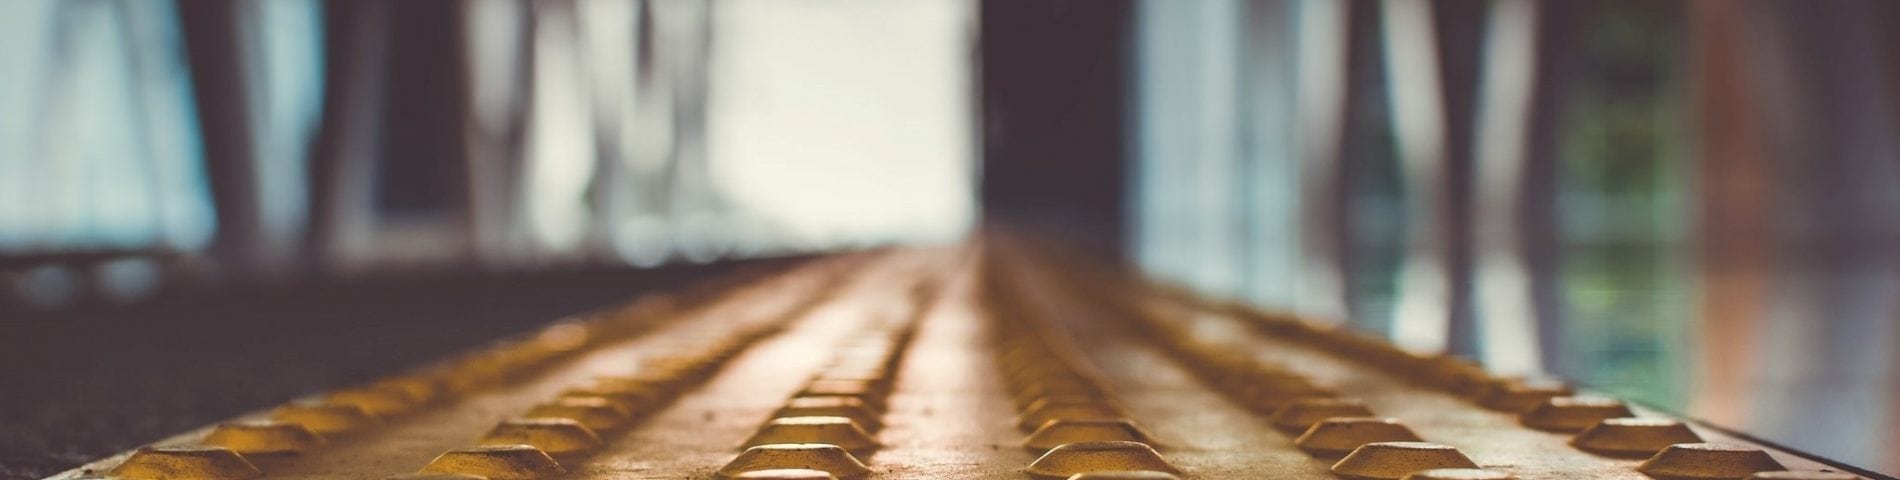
[(1694, 204)]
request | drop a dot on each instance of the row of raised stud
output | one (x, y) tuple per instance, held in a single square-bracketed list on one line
[(1072, 417), (308, 424), (1603, 426), (568, 427), (1541, 404), (829, 422), (1333, 426), (1327, 425)]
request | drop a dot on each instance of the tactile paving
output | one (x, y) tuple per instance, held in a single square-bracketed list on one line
[(1005, 359)]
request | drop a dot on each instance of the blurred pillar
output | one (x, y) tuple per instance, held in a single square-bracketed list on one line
[(496, 38), (663, 167), (1053, 76), (1191, 118), (695, 208), (1324, 57), (1831, 122), (641, 233), (421, 179), (1888, 13), (1459, 29), (610, 31), (213, 42), (1272, 129), (1430, 53), (1737, 189), (1332, 215), (560, 150), (342, 167), (1504, 207), (1536, 215), (389, 182), (256, 68)]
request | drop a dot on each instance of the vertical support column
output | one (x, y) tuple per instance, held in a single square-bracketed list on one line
[(1190, 120), (499, 68), (1326, 63), (1271, 140), (696, 207), (343, 160), (1053, 76), (1536, 214), (212, 43), (1736, 196), (1432, 287), (1504, 296), (610, 33), (1831, 121), (1460, 31)]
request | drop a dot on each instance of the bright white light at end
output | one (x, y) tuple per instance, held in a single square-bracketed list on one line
[(845, 120), (560, 140)]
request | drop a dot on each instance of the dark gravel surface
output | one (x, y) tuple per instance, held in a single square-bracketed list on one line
[(89, 381)]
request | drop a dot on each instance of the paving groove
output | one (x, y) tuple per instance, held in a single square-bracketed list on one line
[(1005, 359)]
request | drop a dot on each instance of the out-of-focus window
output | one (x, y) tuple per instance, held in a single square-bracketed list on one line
[(694, 130), (595, 130), (842, 121), (1624, 222), (99, 140)]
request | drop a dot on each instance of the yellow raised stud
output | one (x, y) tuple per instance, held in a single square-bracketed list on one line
[(1518, 395), (598, 414), (263, 438), (787, 474), (628, 400), (649, 385), (848, 388), (1045, 402), (1124, 475), (1031, 394), (1707, 461), (652, 385), (381, 403), (562, 338), (416, 389), (1573, 414), (801, 456), (1032, 419), (325, 418), (838, 431), (1334, 437), (197, 462), (498, 462), (1394, 460), (1802, 475), (556, 436), (469, 374), (1300, 415), (1055, 433), (1459, 474), (868, 406), (1459, 375), (1068, 460), (1633, 437), (873, 375), (847, 407), (1270, 397)]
